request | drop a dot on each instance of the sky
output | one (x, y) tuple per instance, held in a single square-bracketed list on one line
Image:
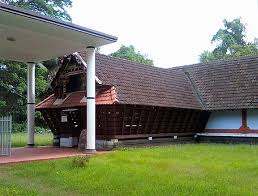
[(171, 32)]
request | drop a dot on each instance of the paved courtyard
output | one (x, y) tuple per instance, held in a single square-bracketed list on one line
[(19, 155)]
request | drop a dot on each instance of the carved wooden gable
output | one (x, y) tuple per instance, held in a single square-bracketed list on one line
[(71, 77)]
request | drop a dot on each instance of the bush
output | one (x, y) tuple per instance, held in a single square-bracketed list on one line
[(22, 127), (17, 127), (80, 161), (42, 130)]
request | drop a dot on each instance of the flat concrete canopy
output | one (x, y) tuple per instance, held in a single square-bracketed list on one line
[(26, 36), (29, 37)]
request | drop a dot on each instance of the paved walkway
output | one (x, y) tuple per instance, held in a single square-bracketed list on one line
[(25, 154)]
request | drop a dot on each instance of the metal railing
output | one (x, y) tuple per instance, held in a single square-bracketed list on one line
[(5, 135)]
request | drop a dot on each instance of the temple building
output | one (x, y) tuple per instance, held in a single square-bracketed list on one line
[(140, 104)]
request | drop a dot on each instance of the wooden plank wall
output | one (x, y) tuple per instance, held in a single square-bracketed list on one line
[(72, 127), (134, 121), (130, 121)]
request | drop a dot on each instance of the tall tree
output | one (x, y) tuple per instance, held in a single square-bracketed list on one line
[(230, 42), (54, 8), (129, 53), (13, 74), (13, 88)]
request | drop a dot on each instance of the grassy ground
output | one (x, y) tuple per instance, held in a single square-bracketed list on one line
[(20, 139), (197, 169)]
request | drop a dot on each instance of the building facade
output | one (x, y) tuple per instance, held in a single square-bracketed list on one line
[(136, 101)]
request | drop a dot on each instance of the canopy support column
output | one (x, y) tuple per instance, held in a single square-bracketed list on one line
[(91, 105), (30, 103)]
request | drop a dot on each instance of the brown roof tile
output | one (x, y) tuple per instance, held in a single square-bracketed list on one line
[(230, 84), (75, 99), (145, 84)]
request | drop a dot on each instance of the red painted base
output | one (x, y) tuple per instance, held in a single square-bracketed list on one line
[(241, 130)]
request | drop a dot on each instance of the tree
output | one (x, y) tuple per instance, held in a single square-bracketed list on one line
[(54, 8), (230, 42), (129, 53), (13, 85), (13, 88)]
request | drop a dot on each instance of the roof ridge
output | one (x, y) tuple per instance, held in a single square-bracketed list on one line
[(196, 91), (217, 62), (129, 61)]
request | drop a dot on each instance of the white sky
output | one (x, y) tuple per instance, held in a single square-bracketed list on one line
[(171, 32)]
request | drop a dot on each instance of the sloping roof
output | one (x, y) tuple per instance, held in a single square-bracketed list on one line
[(229, 84), (219, 85), (138, 84), (74, 99), (145, 84)]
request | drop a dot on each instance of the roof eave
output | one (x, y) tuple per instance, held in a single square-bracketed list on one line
[(46, 19)]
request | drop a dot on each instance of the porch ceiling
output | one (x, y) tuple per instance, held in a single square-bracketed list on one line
[(29, 37)]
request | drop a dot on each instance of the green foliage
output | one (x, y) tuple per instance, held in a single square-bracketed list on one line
[(2, 103), (230, 43), (54, 8), (129, 53), (19, 127), (232, 34), (14, 89), (52, 67), (80, 161), (190, 169)]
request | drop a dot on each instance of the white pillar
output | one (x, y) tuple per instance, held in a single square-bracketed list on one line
[(91, 107), (30, 103)]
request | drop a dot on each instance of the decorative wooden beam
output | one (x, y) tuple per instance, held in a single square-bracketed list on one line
[(244, 128)]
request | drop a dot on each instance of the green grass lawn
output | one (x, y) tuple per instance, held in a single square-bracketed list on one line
[(20, 139), (191, 169)]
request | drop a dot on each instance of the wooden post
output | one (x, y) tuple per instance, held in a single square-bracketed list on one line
[(244, 119), (244, 128)]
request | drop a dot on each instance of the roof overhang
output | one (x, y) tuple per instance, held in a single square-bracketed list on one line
[(30, 37)]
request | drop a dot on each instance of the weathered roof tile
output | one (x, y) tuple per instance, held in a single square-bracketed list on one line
[(145, 84), (230, 84)]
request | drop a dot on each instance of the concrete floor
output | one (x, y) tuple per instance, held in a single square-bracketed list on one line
[(24, 154)]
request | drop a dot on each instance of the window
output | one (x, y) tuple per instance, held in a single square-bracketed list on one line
[(74, 84)]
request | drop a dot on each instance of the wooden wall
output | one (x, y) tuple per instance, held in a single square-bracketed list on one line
[(130, 121)]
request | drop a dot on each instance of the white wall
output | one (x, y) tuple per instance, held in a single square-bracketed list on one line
[(252, 118), (225, 120)]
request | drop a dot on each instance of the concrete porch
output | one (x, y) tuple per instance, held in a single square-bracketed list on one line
[(25, 154)]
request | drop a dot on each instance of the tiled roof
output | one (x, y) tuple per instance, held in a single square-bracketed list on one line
[(78, 98), (145, 84), (230, 84)]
